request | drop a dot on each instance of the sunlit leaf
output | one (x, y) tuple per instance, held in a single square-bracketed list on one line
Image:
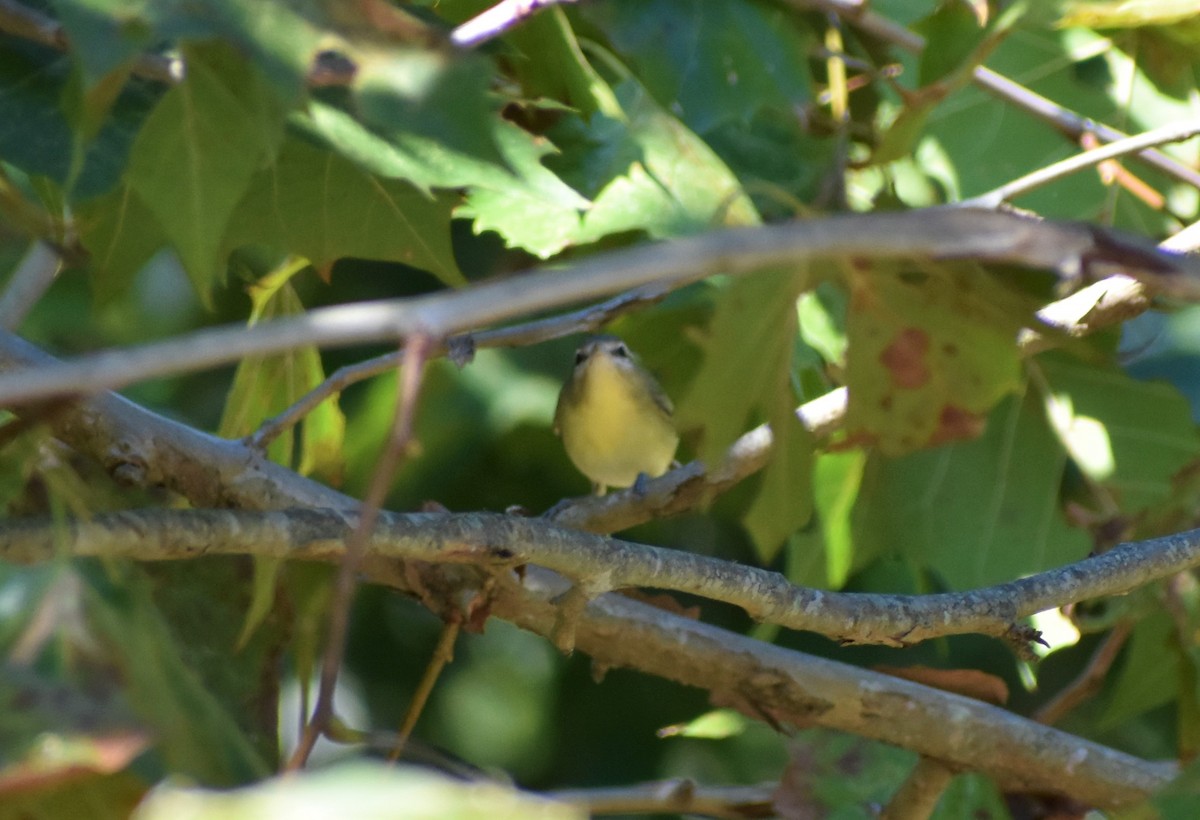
[(928, 357), (976, 512), (370, 791)]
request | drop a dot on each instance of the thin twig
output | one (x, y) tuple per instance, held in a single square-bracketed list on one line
[(498, 19), (1072, 250), (1172, 132), (922, 789), (680, 796), (496, 542), (1068, 122), (528, 333), (33, 276), (1089, 680), (399, 442), (443, 654)]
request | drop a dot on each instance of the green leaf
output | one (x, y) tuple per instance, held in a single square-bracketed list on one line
[(554, 65), (977, 512), (1130, 437), (266, 385), (38, 132), (928, 357), (194, 733), (822, 317), (952, 33), (196, 155), (647, 172), (314, 203), (1149, 675), (122, 235), (783, 503), (105, 33), (745, 379), (714, 61), (543, 207), (540, 213), (437, 95), (836, 484)]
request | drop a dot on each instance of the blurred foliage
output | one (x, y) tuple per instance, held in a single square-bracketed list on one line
[(253, 186)]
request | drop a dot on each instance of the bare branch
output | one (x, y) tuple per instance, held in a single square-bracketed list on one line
[(757, 678), (496, 541), (29, 281), (619, 632), (681, 796), (797, 689), (1172, 132), (1072, 250), (400, 439), (493, 22)]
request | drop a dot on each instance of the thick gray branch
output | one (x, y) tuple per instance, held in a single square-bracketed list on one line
[(799, 689), (615, 631), (603, 564)]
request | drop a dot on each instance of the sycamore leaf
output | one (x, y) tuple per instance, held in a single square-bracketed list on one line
[(928, 357), (265, 385), (195, 157), (745, 379), (121, 234), (314, 203), (975, 512), (1129, 436), (711, 62)]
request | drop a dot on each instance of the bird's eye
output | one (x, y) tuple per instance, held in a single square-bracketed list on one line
[(622, 351), (580, 357)]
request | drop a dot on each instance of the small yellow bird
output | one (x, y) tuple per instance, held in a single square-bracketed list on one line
[(614, 419)]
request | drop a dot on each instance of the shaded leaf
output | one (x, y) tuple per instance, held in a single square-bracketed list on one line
[(195, 157), (1149, 673), (122, 235), (438, 96), (1129, 436), (745, 379), (314, 203), (711, 61), (193, 732)]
